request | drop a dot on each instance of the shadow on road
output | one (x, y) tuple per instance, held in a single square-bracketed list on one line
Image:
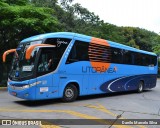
[(82, 98)]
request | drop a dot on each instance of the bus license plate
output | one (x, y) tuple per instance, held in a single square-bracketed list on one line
[(14, 93)]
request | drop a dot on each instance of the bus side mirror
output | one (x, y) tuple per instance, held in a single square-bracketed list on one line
[(31, 48), (6, 53)]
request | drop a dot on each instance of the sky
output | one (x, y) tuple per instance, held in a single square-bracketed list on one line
[(134, 13)]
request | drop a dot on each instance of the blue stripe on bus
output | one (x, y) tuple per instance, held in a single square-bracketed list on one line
[(127, 83)]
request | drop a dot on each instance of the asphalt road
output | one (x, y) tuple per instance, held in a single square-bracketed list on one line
[(115, 106)]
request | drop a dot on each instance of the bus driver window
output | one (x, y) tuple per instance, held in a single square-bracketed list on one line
[(45, 62)]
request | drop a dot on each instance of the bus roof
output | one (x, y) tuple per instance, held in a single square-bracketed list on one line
[(49, 35), (71, 35)]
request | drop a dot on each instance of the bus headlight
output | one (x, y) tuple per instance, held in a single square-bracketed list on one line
[(30, 85), (35, 83), (26, 86)]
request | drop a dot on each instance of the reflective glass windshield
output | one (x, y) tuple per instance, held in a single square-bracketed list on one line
[(50, 57), (20, 66), (23, 69)]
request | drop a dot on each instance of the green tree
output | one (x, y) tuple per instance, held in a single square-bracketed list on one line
[(156, 49), (16, 2), (45, 3), (144, 39), (23, 20), (18, 22), (111, 32), (132, 43), (66, 4)]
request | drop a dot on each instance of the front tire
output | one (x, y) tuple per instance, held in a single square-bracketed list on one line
[(70, 93), (140, 87)]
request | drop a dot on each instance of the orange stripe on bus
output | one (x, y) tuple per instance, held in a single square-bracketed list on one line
[(96, 65), (99, 41), (31, 48)]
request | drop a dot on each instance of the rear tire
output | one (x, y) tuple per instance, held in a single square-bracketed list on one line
[(140, 87), (70, 93)]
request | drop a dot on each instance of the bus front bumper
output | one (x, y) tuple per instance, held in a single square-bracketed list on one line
[(28, 93)]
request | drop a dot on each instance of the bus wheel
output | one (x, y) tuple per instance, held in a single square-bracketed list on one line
[(140, 87), (70, 93)]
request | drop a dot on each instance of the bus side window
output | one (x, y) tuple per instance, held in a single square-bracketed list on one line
[(127, 57), (144, 59), (45, 63), (116, 55), (79, 52), (153, 60), (138, 59), (147, 60)]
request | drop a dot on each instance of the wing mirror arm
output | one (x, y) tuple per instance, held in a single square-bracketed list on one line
[(8, 52)]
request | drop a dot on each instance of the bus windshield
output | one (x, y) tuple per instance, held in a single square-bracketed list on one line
[(20, 66), (23, 68)]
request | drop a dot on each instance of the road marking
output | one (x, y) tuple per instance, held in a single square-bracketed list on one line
[(104, 109), (78, 114), (50, 126), (101, 108), (74, 113)]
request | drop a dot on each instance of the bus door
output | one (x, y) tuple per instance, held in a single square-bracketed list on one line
[(45, 67)]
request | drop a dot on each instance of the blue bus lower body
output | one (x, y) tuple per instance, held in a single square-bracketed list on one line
[(123, 83), (128, 83)]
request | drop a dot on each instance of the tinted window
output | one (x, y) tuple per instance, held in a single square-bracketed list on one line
[(144, 59), (116, 54), (153, 60), (47, 62), (127, 57), (79, 52), (138, 59), (83, 51), (61, 45)]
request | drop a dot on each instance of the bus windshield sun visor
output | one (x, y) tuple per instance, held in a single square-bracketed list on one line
[(7, 52), (32, 47)]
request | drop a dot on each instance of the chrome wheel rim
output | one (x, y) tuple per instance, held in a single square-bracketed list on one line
[(69, 93)]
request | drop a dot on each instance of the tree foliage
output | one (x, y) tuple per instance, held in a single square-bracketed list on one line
[(44, 3), (156, 47), (18, 22), (16, 2)]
